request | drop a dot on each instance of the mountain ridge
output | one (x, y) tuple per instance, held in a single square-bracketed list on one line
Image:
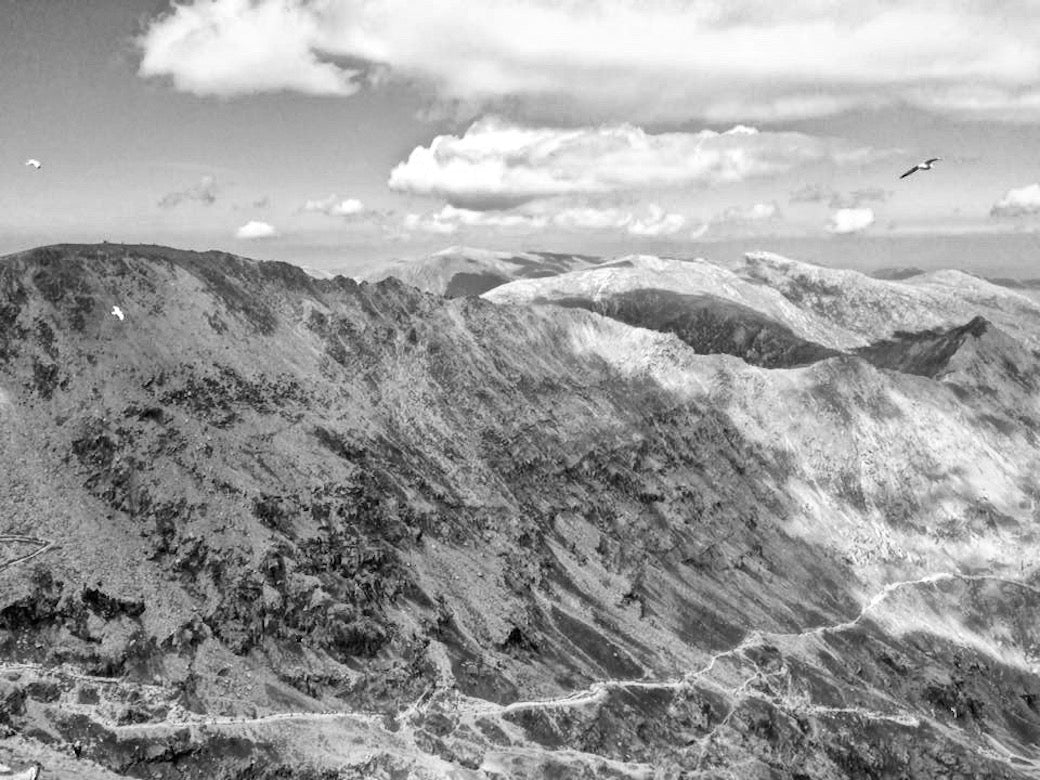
[(523, 539)]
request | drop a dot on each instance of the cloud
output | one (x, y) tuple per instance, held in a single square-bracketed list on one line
[(610, 59), (429, 223), (1019, 202), (656, 223), (759, 212), (334, 207), (204, 192), (235, 47), (813, 193), (498, 164), (489, 219), (851, 220), (819, 193), (449, 219), (586, 218), (858, 197), (254, 229)]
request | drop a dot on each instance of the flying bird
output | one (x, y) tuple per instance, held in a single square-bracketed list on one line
[(33, 163), (925, 166), (117, 312)]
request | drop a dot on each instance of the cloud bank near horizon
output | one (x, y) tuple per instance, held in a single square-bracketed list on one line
[(1020, 202), (255, 230), (850, 220)]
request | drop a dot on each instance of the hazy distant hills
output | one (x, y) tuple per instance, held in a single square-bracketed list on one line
[(826, 307), (761, 520), (460, 271), (839, 309)]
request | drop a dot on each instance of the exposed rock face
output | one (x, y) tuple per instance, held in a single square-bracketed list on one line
[(273, 526)]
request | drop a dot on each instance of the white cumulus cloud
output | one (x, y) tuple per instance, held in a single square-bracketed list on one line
[(449, 219), (255, 229), (497, 163), (234, 47), (1018, 202), (602, 59), (658, 223), (851, 220), (429, 223), (334, 207)]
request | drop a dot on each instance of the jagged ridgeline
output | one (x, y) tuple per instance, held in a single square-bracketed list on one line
[(772, 524)]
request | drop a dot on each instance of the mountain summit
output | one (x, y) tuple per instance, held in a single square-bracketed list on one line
[(267, 525)]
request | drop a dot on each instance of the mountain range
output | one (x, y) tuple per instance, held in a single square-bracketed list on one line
[(502, 516)]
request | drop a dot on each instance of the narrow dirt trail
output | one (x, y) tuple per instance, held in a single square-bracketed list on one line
[(277, 717), (468, 709), (598, 690), (474, 708)]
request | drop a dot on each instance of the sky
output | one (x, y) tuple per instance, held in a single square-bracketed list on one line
[(342, 133)]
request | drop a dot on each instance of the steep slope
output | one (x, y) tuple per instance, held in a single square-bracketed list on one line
[(709, 324), (976, 353), (461, 271), (875, 309), (776, 312), (270, 525), (708, 305)]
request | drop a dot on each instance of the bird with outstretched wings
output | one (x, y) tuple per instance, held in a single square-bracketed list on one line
[(922, 166)]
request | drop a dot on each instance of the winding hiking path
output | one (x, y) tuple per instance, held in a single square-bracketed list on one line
[(468, 709)]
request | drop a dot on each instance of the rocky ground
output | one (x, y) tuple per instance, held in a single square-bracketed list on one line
[(268, 525)]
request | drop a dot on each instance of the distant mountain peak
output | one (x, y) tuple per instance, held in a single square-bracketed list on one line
[(931, 353), (460, 271)]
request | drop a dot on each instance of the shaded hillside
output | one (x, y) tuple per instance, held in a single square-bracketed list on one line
[(269, 525), (897, 273), (708, 324), (927, 353)]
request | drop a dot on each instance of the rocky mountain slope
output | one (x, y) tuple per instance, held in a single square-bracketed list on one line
[(266, 525), (773, 311), (875, 308)]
